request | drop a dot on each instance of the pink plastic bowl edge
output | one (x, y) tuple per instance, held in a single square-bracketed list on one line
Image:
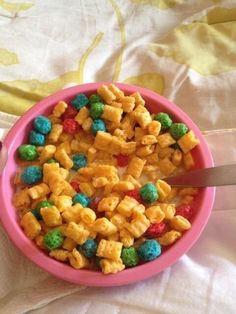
[(86, 277)]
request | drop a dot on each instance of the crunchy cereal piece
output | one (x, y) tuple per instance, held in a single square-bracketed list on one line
[(127, 125), (166, 166), (116, 91), (38, 191), (173, 193), (99, 182), (188, 141), (59, 109), (139, 209), (148, 140), (128, 103), (165, 140), (102, 140), (91, 155), (105, 170), (82, 115), (76, 232), (111, 267), (47, 153), (135, 167), (64, 173), (106, 94), (109, 249), (63, 158), (180, 223), (60, 255), (108, 204), (120, 134), (115, 146), (87, 215), (72, 213), (30, 225), (51, 216), (123, 186), (54, 119), (77, 260), (168, 210), (55, 133), (164, 189), (139, 134), (152, 159), (188, 161), (65, 137), (69, 244), (39, 241), (187, 199), (126, 238), (112, 114), (166, 152), (87, 188), (177, 157), (139, 101), (128, 148), (138, 225), (126, 206), (104, 227), (155, 214), (65, 146), (86, 126), (142, 116), (144, 151), (169, 237), (21, 198), (136, 183), (114, 237), (62, 202), (154, 128), (116, 104), (118, 220), (188, 191)]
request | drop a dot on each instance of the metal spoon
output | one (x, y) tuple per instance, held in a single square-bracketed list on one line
[(216, 176)]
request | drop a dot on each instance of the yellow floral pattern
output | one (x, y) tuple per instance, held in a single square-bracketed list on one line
[(7, 57), (161, 4), (153, 81), (207, 46), (14, 7)]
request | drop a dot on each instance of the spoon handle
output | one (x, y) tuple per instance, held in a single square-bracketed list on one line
[(216, 176)]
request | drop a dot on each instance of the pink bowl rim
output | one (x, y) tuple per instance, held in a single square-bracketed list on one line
[(128, 276)]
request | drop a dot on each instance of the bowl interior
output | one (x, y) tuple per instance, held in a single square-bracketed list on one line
[(19, 134)]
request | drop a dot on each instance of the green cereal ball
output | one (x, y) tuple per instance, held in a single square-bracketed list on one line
[(53, 239), (149, 193), (129, 257), (164, 119), (44, 204), (28, 152), (177, 130), (95, 98), (96, 110)]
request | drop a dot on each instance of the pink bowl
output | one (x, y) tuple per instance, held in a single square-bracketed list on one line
[(18, 135)]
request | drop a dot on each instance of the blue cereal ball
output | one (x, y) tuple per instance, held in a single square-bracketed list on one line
[(81, 198), (79, 161), (80, 101), (98, 125), (42, 124), (31, 175), (149, 250), (36, 138), (89, 248), (149, 193)]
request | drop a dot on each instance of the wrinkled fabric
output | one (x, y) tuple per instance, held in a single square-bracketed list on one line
[(183, 50)]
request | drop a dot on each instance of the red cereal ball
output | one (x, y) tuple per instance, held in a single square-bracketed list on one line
[(184, 210), (156, 230), (75, 186), (69, 113), (122, 160), (135, 194), (70, 126)]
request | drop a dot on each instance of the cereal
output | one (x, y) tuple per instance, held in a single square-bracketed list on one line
[(90, 190)]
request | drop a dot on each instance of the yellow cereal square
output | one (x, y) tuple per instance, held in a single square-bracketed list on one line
[(112, 114), (188, 161), (106, 94), (188, 141), (165, 140), (135, 167), (108, 204), (116, 91), (109, 249), (166, 166), (154, 128)]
